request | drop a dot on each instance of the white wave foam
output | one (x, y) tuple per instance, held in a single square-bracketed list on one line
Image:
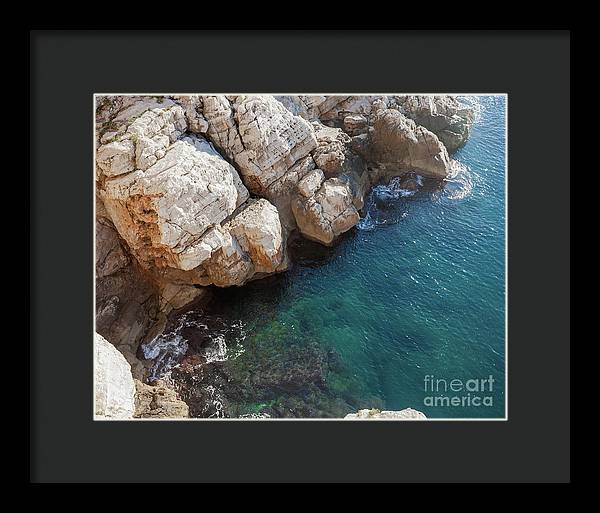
[(165, 352), (459, 183), (167, 349), (393, 191), (216, 400), (217, 350)]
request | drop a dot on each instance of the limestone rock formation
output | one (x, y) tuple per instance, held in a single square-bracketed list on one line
[(251, 242), (114, 114), (336, 108), (114, 387), (222, 126), (355, 124), (335, 156), (158, 401), (143, 143), (327, 213), (260, 135), (329, 109), (444, 115), (311, 183), (396, 144), (406, 414), (285, 189), (193, 107), (162, 212), (258, 232), (332, 149)]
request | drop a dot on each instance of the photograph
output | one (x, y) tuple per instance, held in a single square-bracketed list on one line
[(316, 257)]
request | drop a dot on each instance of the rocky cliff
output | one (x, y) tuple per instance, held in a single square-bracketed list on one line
[(196, 191)]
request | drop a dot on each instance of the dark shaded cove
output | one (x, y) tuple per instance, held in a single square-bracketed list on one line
[(275, 371)]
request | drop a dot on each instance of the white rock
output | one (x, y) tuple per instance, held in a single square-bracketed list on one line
[(114, 386), (116, 158), (258, 231), (222, 125), (326, 214), (331, 151), (263, 138), (144, 142), (406, 414), (336, 107), (114, 113), (229, 263), (193, 106), (163, 212), (304, 106), (311, 183), (274, 140)]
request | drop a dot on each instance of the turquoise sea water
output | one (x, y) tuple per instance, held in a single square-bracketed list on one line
[(418, 289)]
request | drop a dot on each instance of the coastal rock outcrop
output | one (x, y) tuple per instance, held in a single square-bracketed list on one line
[(252, 242), (258, 232), (193, 106), (444, 115), (355, 124), (406, 414), (260, 135), (333, 149), (396, 144), (328, 212), (162, 212), (143, 143), (180, 206), (114, 114), (334, 155), (114, 386)]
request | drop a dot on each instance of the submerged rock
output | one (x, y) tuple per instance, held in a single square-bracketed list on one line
[(406, 414), (268, 378), (114, 388)]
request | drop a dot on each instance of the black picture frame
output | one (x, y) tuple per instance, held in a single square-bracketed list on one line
[(68, 67)]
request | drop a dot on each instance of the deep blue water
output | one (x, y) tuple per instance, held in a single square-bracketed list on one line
[(418, 289)]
